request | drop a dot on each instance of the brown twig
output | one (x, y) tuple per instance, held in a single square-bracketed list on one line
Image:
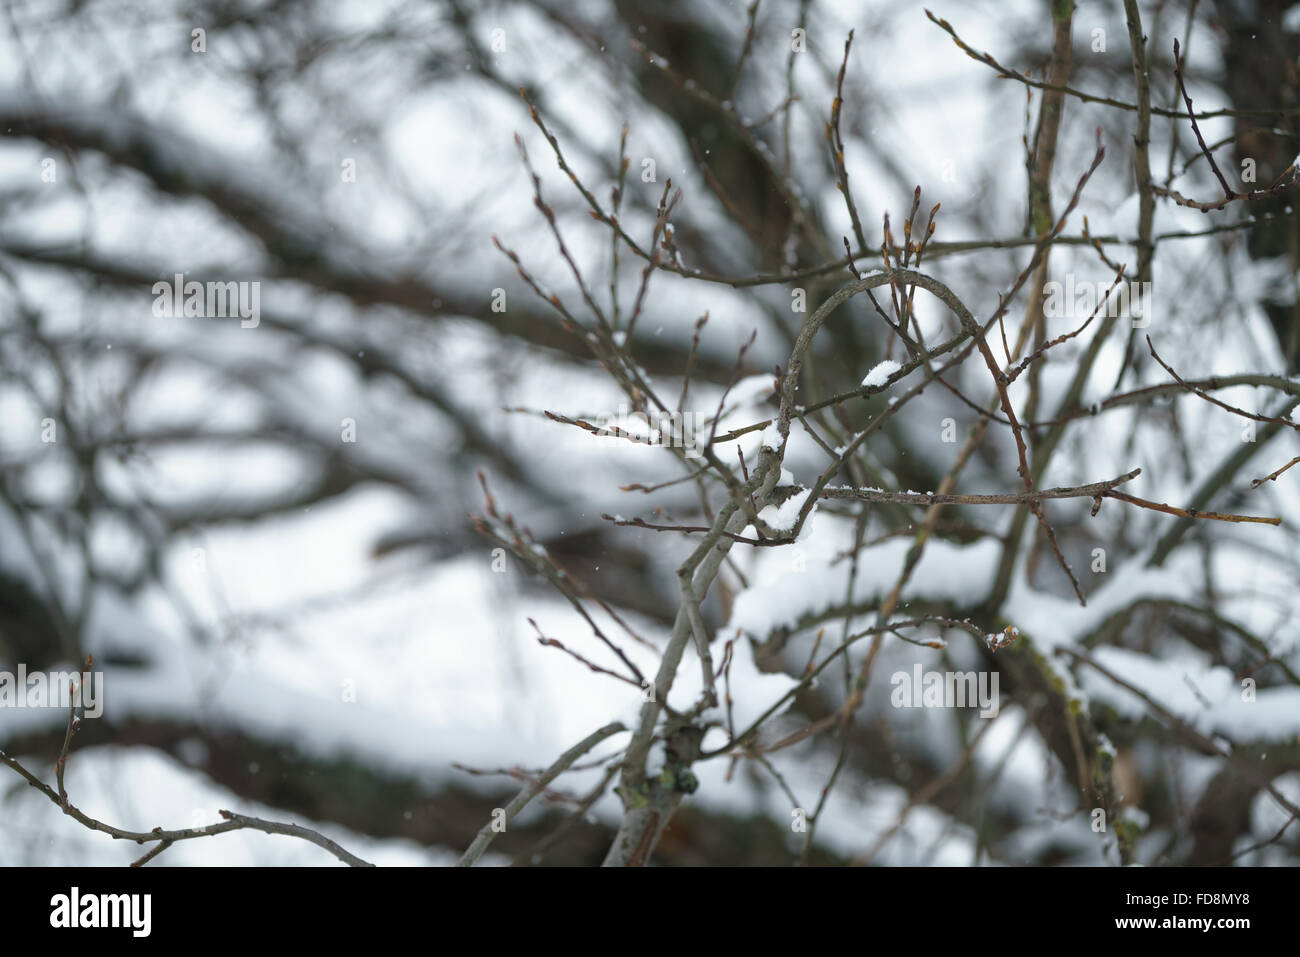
[(1188, 512), (232, 822)]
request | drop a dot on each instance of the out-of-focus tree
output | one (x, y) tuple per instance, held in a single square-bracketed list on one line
[(731, 214)]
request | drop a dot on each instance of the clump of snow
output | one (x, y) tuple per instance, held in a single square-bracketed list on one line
[(772, 437), (1136, 815), (880, 373), (944, 572), (1208, 697), (1051, 620), (783, 517)]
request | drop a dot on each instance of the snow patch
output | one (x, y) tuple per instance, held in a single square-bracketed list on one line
[(880, 373)]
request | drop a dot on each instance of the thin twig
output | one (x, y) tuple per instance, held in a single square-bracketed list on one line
[(488, 832)]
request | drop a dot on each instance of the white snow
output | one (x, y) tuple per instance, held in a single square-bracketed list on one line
[(783, 517), (782, 595), (1209, 698), (880, 373)]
